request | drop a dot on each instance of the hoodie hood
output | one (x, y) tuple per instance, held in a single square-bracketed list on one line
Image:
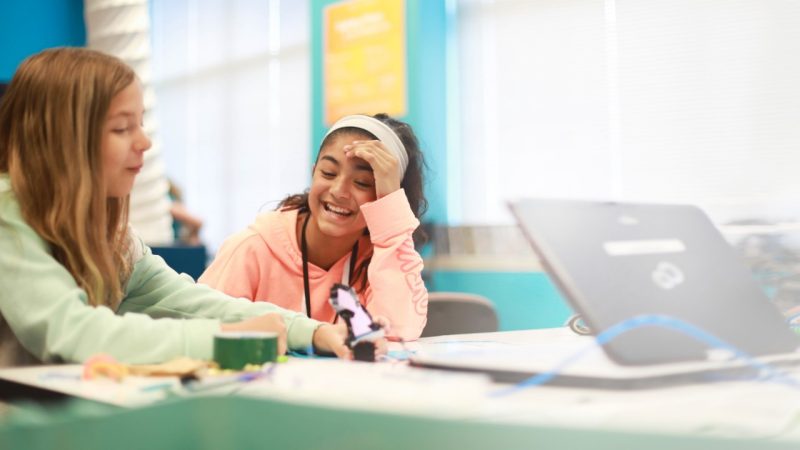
[(278, 229)]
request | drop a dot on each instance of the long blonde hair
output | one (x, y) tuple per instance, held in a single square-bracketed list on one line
[(51, 124)]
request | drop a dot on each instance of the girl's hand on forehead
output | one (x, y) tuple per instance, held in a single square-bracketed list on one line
[(384, 164)]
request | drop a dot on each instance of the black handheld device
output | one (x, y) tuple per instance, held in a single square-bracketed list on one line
[(362, 331)]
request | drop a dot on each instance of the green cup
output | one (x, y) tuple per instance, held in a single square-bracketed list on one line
[(234, 350)]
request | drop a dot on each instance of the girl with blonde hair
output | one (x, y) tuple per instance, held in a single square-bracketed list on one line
[(75, 279)]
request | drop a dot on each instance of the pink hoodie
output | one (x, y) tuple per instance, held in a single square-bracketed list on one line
[(264, 263)]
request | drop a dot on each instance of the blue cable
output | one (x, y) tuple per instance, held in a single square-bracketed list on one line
[(791, 319), (768, 372)]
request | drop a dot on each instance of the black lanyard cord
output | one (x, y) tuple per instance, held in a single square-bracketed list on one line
[(304, 252)]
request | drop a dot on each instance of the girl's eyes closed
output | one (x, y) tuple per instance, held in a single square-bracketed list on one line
[(123, 128), (363, 184)]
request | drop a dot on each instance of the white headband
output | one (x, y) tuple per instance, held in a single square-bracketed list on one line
[(381, 131)]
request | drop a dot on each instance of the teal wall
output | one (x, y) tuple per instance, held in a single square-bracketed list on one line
[(29, 26), (524, 300), (427, 27)]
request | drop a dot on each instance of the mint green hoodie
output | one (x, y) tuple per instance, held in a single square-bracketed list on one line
[(45, 315)]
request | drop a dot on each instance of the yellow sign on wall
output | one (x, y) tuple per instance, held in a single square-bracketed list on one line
[(364, 58)]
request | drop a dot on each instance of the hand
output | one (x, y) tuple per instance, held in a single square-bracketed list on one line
[(381, 347), (272, 322), (385, 167), (330, 338)]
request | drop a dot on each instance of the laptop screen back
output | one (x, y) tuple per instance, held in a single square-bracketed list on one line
[(615, 261)]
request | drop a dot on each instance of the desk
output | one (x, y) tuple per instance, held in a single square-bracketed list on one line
[(727, 409), (335, 404)]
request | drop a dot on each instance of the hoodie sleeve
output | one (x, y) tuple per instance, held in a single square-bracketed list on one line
[(396, 290), (164, 315), (159, 292)]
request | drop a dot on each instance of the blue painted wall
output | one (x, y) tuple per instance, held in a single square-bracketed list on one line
[(29, 26)]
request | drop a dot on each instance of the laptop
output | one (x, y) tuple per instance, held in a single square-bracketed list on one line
[(616, 261)]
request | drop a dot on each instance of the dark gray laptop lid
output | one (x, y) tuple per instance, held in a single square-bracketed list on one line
[(615, 261)]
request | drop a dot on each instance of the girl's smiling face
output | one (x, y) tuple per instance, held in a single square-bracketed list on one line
[(339, 186)]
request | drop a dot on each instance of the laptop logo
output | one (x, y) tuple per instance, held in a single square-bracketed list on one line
[(667, 275)]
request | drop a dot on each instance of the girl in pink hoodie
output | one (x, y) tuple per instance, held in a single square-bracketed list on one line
[(354, 225)]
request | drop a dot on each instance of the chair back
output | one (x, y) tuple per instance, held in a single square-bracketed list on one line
[(459, 313)]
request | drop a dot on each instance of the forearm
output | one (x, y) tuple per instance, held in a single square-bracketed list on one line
[(396, 290), (156, 290)]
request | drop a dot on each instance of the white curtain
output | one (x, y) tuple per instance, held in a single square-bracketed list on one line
[(658, 100), (233, 83), (122, 28)]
